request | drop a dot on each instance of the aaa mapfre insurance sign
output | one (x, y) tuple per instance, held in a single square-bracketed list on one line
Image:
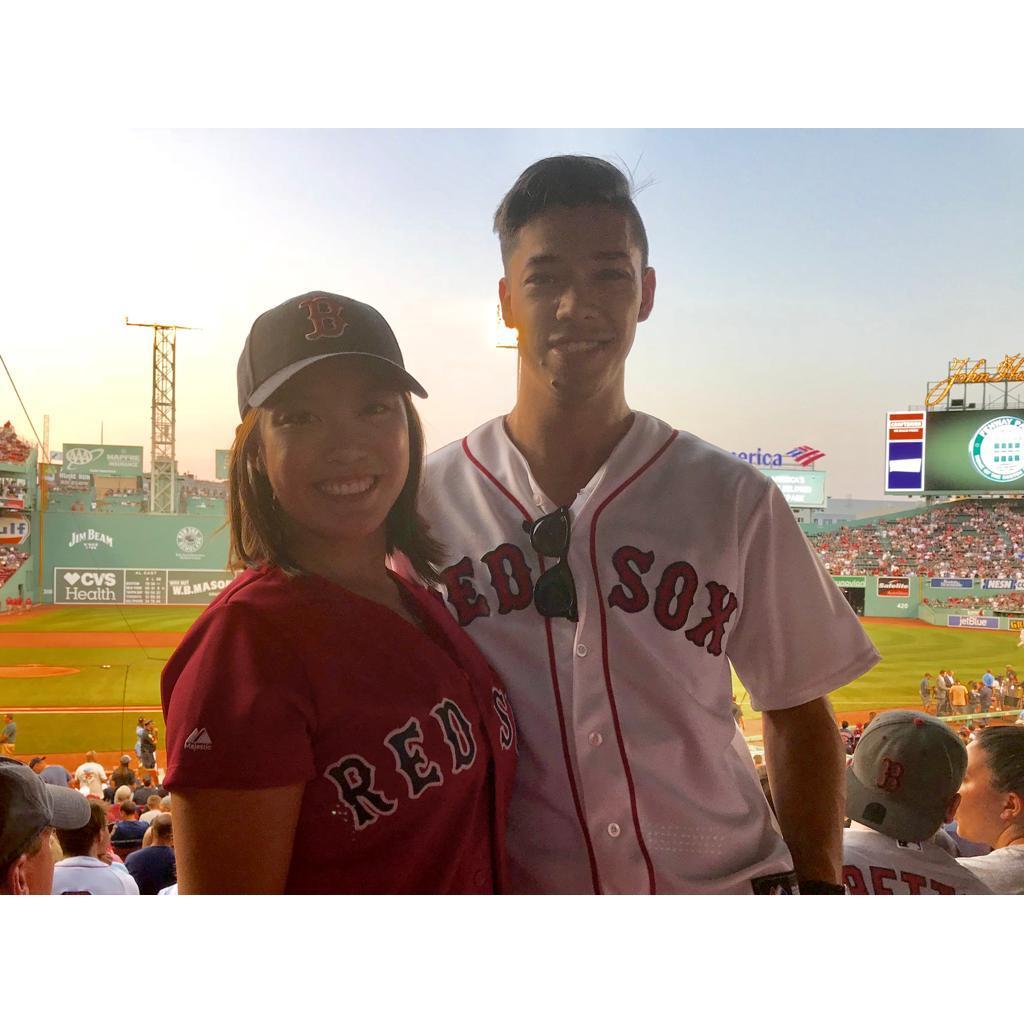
[(893, 586), (904, 451)]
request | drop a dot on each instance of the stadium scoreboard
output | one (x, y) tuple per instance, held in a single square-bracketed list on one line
[(976, 451)]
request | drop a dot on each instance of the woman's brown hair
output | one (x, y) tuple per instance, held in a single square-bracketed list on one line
[(254, 517)]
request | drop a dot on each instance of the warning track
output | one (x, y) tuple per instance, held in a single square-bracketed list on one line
[(118, 708), (143, 639)]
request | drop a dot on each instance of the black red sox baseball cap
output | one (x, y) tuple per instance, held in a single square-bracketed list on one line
[(305, 329)]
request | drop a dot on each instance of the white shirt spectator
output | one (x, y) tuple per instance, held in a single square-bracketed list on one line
[(87, 875), (90, 777), (1001, 870), (876, 864)]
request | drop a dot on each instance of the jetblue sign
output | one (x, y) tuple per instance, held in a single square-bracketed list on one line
[(973, 621)]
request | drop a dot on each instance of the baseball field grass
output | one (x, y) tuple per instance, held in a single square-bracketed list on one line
[(78, 678)]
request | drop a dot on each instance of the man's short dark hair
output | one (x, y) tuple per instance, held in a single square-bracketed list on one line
[(163, 827), (566, 181), (1004, 754), (78, 842)]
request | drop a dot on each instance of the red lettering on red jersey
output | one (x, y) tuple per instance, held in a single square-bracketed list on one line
[(354, 778), (507, 728), (410, 758), (458, 734)]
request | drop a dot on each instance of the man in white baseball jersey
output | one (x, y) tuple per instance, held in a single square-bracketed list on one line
[(612, 567), (900, 788)]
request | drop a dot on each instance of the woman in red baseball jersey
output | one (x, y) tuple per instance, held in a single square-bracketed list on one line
[(330, 729)]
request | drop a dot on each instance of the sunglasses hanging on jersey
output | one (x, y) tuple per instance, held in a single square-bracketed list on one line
[(554, 594)]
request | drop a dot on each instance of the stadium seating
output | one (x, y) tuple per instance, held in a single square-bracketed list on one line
[(983, 539), (12, 448)]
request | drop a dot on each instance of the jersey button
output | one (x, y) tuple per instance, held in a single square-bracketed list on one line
[(596, 739), (582, 650), (614, 831)]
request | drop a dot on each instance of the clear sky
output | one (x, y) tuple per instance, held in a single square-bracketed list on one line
[(807, 280)]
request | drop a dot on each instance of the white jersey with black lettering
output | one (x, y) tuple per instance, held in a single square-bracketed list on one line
[(877, 865), (632, 775)]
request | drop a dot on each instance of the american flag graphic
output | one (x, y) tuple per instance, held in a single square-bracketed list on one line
[(805, 455)]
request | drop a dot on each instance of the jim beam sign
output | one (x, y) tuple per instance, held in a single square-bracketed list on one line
[(1009, 371)]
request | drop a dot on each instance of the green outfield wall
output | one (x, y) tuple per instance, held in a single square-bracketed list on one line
[(95, 558)]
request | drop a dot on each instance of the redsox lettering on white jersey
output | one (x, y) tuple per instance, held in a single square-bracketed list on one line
[(632, 775)]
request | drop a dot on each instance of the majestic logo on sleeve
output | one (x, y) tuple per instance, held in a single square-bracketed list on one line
[(676, 596), (198, 739), (326, 316)]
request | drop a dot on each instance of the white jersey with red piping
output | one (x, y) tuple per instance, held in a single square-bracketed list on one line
[(632, 775)]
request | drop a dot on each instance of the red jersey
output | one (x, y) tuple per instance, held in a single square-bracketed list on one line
[(404, 737)]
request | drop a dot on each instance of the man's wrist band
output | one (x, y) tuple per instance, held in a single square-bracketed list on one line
[(814, 887)]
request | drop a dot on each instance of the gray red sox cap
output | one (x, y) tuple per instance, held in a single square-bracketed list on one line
[(307, 328), (28, 805), (905, 770)]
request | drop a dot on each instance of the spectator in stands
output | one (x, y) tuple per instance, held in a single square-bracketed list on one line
[(88, 865), (153, 809), (123, 775), (901, 786), (51, 774), (126, 836), (90, 776), (145, 791), (153, 868), (992, 808), (29, 812), (122, 794), (8, 736)]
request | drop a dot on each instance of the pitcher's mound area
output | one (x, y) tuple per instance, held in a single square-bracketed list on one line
[(35, 671)]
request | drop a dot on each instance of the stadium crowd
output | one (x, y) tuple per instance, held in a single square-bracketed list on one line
[(11, 559), (955, 824), (983, 540), (12, 448), (102, 832)]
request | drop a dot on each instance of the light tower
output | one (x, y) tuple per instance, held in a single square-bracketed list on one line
[(162, 492)]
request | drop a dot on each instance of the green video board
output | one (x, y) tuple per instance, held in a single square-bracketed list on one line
[(974, 452)]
